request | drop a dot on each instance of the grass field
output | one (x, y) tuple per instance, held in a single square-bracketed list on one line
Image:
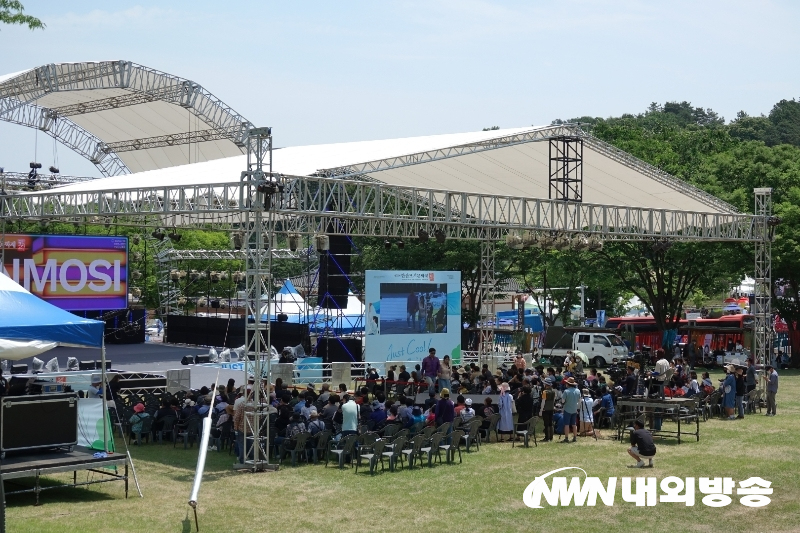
[(482, 494)]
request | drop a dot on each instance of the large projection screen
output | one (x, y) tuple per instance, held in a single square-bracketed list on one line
[(73, 272), (410, 311)]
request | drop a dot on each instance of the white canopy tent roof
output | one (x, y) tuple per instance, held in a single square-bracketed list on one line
[(519, 170)]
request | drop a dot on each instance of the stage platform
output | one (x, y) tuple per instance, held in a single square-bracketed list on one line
[(36, 465)]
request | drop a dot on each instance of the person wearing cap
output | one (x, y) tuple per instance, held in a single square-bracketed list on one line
[(430, 369), (444, 410), (606, 406), (467, 413), (315, 425), (506, 424), (642, 446), (571, 397), (137, 421), (729, 392), (96, 388), (750, 377), (547, 408), (586, 408)]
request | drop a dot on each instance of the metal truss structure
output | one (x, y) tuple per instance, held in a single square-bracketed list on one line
[(261, 192), (362, 208), (488, 316), (69, 134), (566, 169), (762, 308), (167, 257), (23, 181), (143, 84)]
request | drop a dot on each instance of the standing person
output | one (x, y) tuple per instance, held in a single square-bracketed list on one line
[(772, 389), (520, 362), (740, 388), (586, 407), (729, 392), (506, 424), (412, 306), (445, 374), (350, 416), (547, 408), (524, 403), (750, 379), (430, 369), (642, 446), (571, 397)]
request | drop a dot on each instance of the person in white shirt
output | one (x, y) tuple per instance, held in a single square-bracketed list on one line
[(467, 413)]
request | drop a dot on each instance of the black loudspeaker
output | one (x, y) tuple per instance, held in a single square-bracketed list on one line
[(284, 334), (338, 350), (19, 369), (187, 360), (201, 359), (205, 331), (44, 421), (86, 365), (334, 272), (98, 364)]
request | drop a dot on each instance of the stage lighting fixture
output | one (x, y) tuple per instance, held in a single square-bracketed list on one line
[(158, 235), (440, 236), (136, 292), (107, 222), (562, 242), (387, 244), (295, 241), (174, 275), (322, 242), (283, 317), (514, 241), (44, 223), (401, 244), (202, 302), (136, 239), (580, 242), (35, 165), (72, 364), (137, 256), (223, 304), (238, 276), (595, 243), (215, 277), (53, 170), (174, 236), (238, 240), (136, 275), (423, 236), (194, 275)]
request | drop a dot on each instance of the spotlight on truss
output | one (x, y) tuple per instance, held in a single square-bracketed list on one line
[(423, 236), (440, 236), (401, 244), (174, 236), (387, 244), (158, 235), (580, 242), (514, 241)]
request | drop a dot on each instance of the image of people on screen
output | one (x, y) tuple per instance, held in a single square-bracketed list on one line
[(412, 308)]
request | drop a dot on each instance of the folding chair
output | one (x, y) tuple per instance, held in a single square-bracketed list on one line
[(528, 429), (454, 446)]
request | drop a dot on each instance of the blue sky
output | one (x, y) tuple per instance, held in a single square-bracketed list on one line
[(320, 72)]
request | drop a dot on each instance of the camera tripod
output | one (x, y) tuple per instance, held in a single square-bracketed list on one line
[(582, 409)]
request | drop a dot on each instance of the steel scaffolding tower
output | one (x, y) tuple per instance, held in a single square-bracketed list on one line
[(261, 191), (488, 316), (566, 168), (762, 309)]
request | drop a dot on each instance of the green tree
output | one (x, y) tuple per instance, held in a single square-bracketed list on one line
[(785, 117), (12, 12)]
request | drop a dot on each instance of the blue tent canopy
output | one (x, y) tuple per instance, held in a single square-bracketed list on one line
[(24, 316)]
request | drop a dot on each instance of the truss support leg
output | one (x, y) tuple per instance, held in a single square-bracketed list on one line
[(261, 191), (762, 308), (487, 287)]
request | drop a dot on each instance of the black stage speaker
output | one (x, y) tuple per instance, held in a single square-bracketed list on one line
[(98, 364), (339, 350), (86, 365), (41, 421), (334, 272), (199, 359), (205, 331), (284, 334), (19, 369)]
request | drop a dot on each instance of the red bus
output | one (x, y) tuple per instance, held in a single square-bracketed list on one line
[(719, 333)]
